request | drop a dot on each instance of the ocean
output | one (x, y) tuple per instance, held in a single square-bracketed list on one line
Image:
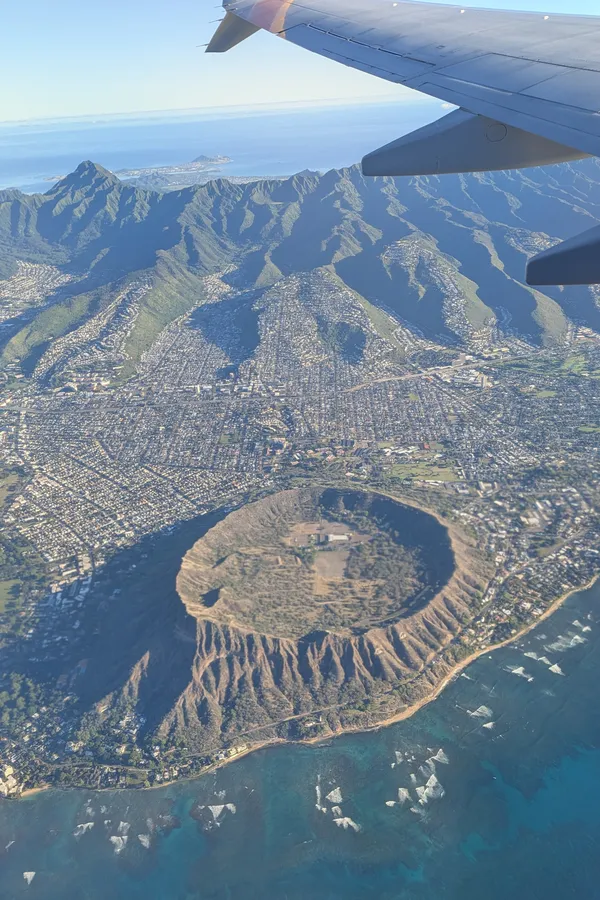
[(260, 141), (506, 763)]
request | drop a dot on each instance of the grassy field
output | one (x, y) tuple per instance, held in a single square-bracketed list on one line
[(423, 470), (576, 364), (5, 592), (5, 483)]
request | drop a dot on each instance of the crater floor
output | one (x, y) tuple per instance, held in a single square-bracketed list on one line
[(313, 560)]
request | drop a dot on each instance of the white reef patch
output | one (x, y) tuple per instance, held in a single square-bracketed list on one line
[(520, 672), (318, 792), (433, 790), (346, 822), (217, 810), (565, 642), (335, 796), (441, 757), (118, 842), (482, 712)]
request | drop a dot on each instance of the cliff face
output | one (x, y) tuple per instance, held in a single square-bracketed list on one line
[(254, 686)]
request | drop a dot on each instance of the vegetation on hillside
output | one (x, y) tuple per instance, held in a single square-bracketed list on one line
[(399, 244)]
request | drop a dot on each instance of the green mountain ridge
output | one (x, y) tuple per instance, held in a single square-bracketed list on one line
[(444, 255)]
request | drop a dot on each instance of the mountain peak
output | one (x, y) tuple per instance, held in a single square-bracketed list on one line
[(87, 167), (87, 174)]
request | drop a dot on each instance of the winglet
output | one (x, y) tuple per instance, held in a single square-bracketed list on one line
[(230, 32)]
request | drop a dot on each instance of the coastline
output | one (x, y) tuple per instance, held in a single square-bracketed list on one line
[(464, 663), (385, 723), (30, 792)]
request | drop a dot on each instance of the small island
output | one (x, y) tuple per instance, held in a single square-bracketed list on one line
[(211, 160)]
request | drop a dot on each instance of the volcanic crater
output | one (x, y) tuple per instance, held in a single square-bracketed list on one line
[(318, 610), (308, 561)]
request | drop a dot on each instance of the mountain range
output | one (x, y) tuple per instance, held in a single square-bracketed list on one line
[(444, 255)]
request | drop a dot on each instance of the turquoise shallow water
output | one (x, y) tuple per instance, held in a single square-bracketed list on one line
[(513, 809)]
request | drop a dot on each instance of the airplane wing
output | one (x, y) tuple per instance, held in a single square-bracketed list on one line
[(527, 86)]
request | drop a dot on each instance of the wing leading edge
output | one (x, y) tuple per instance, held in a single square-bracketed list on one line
[(527, 86)]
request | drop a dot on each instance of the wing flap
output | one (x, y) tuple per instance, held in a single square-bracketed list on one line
[(570, 87), (463, 142), (504, 73), (565, 125)]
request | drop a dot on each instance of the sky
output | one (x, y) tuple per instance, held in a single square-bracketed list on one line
[(71, 58)]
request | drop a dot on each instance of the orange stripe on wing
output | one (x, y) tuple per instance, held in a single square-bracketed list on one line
[(270, 14)]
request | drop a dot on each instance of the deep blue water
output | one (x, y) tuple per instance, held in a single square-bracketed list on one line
[(519, 817), (260, 142)]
